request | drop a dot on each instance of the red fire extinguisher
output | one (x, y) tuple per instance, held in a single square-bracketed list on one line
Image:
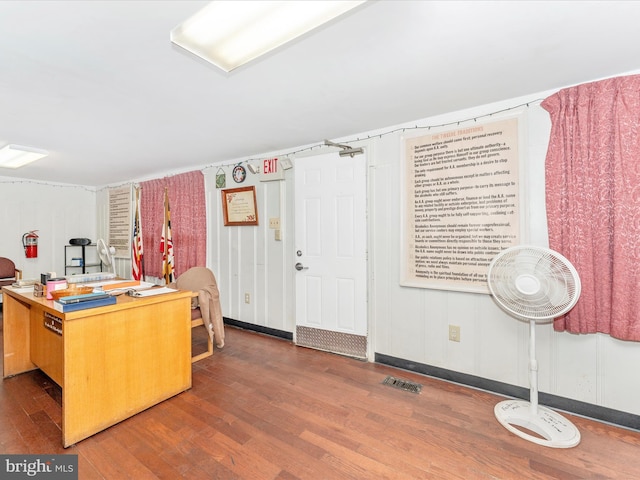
[(30, 244)]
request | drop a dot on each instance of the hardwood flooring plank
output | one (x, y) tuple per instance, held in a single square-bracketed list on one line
[(179, 459), (240, 461), (289, 456)]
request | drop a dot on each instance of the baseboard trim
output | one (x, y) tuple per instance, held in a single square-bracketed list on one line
[(258, 328), (604, 414)]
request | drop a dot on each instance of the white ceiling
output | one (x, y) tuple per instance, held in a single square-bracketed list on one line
[(99, 85)]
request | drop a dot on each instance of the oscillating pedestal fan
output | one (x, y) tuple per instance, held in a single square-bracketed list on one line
[(534, 284), (107, 254)]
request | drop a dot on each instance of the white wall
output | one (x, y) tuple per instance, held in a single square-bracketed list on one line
[(249, 260), (412, 323), (59, 213)]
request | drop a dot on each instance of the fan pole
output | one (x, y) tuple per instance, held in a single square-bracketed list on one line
[(533, 369)]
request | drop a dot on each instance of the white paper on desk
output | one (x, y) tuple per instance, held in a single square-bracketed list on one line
[(22, 289), (154, 291)]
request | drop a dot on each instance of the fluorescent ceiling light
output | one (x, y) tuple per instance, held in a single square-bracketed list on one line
[(232, 33), (14, 156)]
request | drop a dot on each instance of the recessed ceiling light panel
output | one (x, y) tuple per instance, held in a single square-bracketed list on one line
[(14, 156), (232, 33)]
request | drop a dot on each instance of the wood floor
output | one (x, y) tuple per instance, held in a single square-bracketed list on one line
[(262, 408)]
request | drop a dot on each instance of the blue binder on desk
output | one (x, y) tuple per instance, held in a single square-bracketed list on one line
[(85, 297), (72, 307)]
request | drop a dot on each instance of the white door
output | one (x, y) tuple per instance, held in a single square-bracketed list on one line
[(330, 250)]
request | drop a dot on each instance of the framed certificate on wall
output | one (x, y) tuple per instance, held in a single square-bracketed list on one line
[(239, 206)]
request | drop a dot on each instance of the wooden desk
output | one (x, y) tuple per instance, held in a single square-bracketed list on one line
[(111, 362)]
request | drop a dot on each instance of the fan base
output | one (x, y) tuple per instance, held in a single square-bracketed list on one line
[(554, 430)]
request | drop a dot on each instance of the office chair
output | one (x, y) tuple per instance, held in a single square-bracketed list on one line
[(9, 274)]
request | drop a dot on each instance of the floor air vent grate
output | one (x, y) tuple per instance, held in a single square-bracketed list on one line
[(405, 385)]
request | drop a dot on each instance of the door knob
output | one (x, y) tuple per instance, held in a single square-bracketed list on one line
[(299, 267)]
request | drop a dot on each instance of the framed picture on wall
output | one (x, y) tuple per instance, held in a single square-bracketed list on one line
[(239, 206)]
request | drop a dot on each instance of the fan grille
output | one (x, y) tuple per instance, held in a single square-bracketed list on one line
[(533, 282)]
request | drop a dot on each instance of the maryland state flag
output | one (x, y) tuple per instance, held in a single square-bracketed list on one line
[(136, 244), (166, 244)]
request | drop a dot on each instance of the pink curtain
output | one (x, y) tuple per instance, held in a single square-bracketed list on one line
[(593, 201), (152, 218), (188, 221)]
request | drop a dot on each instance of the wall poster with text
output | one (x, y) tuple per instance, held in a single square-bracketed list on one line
[(120, 220), (460, 205)]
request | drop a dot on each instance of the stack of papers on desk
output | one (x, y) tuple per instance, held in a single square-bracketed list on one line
[(21, 289), (153, 291)]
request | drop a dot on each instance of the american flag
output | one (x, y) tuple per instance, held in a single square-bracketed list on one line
[(136, 245), (167, 249)]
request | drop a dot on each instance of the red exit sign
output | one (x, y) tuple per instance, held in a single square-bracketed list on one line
[(270, 165), (271, 170)]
